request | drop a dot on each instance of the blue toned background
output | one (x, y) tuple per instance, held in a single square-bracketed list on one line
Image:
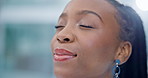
[(26, 29)]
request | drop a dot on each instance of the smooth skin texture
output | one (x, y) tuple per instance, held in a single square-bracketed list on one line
[(93, 33)]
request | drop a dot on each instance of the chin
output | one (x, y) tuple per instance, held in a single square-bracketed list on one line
[(66, 73), (61, 74)]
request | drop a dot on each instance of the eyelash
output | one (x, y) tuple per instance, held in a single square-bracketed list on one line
[(56, 27), (86, 26)]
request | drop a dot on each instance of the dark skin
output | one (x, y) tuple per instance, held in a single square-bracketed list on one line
[(93, 34)]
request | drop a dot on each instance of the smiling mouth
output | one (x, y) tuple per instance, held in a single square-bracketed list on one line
[(63, 55)]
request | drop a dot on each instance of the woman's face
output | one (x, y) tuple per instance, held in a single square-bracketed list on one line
[(86, 40)]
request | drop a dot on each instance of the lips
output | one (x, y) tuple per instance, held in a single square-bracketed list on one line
[(63, 55)]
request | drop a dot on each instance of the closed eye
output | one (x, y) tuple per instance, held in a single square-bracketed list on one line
[(85, 26), (56, 27)]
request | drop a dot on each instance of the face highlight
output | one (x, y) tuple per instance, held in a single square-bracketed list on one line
[(86, 40)]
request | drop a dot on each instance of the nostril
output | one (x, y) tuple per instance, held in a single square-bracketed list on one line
[(58, 39), (66, 39)]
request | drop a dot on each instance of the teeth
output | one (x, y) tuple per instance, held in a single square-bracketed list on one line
[(62, 57), (59, 53), (64, 54)]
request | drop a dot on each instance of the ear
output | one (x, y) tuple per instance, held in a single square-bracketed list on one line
[(124, 51)]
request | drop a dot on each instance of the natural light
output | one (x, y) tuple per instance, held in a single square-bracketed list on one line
[(142, 4)]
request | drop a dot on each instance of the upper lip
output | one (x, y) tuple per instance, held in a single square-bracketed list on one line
[(64, 52)]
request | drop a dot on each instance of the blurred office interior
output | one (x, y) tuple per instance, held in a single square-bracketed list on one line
[(26, 28)]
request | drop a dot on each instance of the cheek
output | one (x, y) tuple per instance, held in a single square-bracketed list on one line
[(97, 43), (97, 50)]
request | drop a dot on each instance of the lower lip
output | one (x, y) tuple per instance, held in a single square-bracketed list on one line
[(63, 57)]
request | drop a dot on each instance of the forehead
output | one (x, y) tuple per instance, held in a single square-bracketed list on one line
[(98, 6)]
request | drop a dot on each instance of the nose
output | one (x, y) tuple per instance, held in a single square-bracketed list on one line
[(65, 36)]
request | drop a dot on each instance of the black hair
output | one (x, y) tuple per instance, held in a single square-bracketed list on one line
[(124, 18), (131, 29)]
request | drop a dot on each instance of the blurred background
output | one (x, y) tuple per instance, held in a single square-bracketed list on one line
[(26, 28)]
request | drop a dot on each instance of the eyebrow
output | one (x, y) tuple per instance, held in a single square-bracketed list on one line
[(63, 15), (90, 12), (83, 12)]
